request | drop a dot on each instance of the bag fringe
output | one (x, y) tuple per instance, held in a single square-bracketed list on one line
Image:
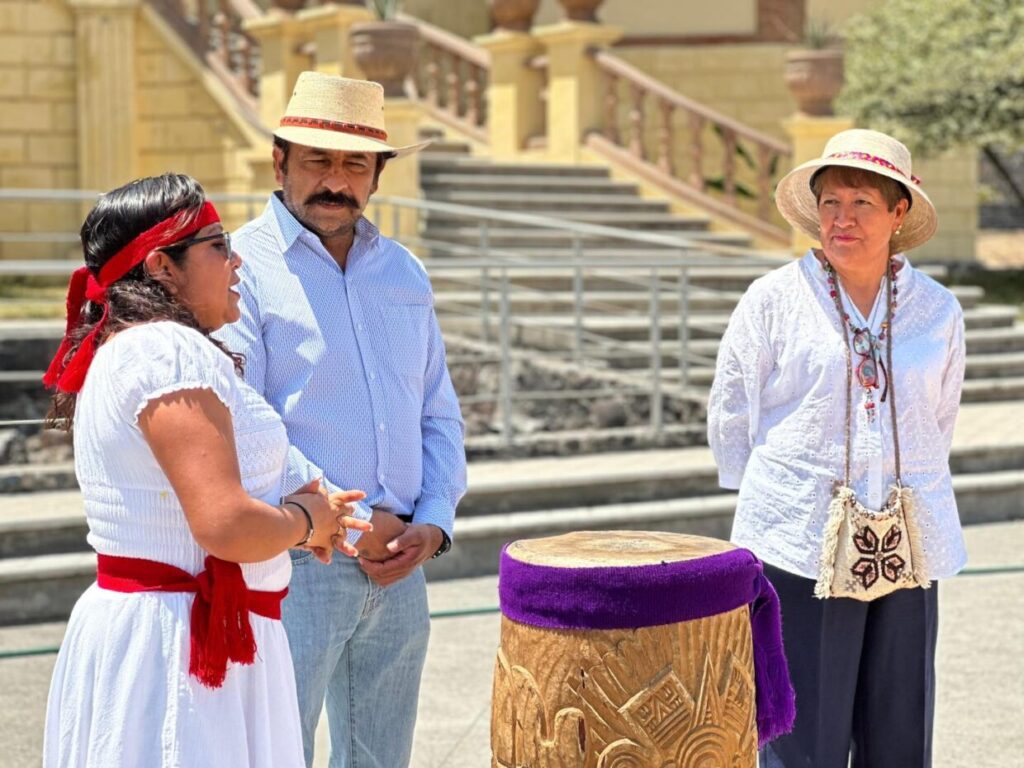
[(827, 563), (909, 508)]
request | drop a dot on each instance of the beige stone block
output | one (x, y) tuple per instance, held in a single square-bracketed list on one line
[(53, 217), (27, 177), (65, 114), (13, 216), (164, 101), (49, 16), (53, 150), (12, 16), (12, 82), (65, 178), (25, 49), (12, 149), (51, 83), (64, 50), (26, 116)]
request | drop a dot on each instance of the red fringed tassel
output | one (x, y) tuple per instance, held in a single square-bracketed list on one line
[(221, 631)]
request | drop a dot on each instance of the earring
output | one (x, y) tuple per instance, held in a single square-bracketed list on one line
[(898, 230)]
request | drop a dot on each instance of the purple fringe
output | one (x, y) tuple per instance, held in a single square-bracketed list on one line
[(605, 597)]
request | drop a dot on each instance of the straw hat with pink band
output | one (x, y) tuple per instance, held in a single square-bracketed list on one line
[(338, 113), (869, 151), (67, 374)]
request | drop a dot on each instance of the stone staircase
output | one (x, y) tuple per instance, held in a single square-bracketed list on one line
[(45, 563)]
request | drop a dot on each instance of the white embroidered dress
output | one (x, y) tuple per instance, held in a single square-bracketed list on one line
[(777, 414), (121, 695)]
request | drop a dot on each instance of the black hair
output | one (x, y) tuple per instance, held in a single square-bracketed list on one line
[(119, 217)]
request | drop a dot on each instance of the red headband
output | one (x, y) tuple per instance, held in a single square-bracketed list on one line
[(68, 375)]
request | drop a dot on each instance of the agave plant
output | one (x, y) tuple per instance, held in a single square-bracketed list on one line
[(386, 10)]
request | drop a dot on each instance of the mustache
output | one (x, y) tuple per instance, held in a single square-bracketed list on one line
[(332, 198)]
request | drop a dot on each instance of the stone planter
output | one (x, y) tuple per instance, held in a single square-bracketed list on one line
[(386, 51), (580, 10), (513, 15), (815, 77)]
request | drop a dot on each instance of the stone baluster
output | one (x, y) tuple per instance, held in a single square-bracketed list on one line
[(765, 159), (611, 109), (454, 78), (729, 165), (636, 121), (665, 160), (697, 151)]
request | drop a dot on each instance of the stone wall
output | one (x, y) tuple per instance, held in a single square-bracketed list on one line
[(38, 146)]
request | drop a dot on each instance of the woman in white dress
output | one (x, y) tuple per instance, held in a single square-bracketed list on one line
[(176, 655)]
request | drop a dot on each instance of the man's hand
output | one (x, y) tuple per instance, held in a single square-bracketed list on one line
[(386, 527), (415, 545)]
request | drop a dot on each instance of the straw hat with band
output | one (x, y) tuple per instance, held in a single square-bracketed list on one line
[(870, 151), (338, 113)]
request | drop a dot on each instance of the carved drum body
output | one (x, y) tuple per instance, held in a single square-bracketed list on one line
[(679, 694)]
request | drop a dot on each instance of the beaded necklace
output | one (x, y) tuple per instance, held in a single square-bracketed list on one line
[(865, 343)]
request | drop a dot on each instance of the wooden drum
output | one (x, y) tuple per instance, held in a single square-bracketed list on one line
[(635, 650)]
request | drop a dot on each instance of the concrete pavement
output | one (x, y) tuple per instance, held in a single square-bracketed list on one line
[(980, 710)]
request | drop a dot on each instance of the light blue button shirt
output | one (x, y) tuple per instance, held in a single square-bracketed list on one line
[(354, 362)]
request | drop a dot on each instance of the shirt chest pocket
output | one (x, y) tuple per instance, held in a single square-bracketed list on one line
[(405, 328)]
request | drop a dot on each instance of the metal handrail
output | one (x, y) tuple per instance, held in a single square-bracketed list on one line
[(659, 269)]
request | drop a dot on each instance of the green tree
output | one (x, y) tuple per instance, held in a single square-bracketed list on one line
[(937, 73)]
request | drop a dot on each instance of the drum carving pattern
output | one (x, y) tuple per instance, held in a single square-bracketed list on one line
[(671, 696)]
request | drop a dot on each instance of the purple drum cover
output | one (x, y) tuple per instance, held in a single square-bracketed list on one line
[(629, 597)]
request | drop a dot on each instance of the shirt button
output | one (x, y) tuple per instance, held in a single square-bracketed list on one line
[(381, 478), (381, 426), (372, 375), (360, 326)]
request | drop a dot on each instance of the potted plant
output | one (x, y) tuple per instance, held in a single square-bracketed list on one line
[(513, 15), (386, 50), (580, 10), (814, 73)]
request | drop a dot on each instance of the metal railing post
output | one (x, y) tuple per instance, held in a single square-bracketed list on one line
[(506, 382), (656, 404), (485, 279), (577, 297), (684, 328)]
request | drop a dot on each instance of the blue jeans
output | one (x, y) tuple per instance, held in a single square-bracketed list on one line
[(363, 646)]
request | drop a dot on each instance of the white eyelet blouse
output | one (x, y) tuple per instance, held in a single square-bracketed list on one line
[(777, 412)]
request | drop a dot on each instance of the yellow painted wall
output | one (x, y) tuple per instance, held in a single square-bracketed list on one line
[(38, 148), (182, 128)]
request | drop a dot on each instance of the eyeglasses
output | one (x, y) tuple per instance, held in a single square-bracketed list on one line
[(185, 244), (867, 369)]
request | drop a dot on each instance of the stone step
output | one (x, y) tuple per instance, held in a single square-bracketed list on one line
[(559, 242), (547, 204), (993, 390), (437, 165), (562, 302), (981, 498), (642, 221), (442, 149), (45, 587), (637, 298), (520, 185)]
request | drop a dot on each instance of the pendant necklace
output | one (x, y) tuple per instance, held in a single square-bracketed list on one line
[(865, 343)]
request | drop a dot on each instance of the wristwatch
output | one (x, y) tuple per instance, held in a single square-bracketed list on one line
[(446, 544)]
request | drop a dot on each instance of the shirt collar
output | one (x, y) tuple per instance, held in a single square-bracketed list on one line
[(817, 271)]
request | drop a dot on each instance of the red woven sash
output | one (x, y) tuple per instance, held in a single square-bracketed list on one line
[(220, 629)]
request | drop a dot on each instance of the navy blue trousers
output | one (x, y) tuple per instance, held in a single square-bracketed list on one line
[(864, 675)]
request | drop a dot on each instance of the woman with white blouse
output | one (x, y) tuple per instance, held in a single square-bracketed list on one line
[(835, 395), (176, 656)]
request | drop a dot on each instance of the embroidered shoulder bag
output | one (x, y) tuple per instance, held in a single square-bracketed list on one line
[(867, 554)]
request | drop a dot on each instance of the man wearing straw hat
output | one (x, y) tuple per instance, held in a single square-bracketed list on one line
[(340, 336)]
